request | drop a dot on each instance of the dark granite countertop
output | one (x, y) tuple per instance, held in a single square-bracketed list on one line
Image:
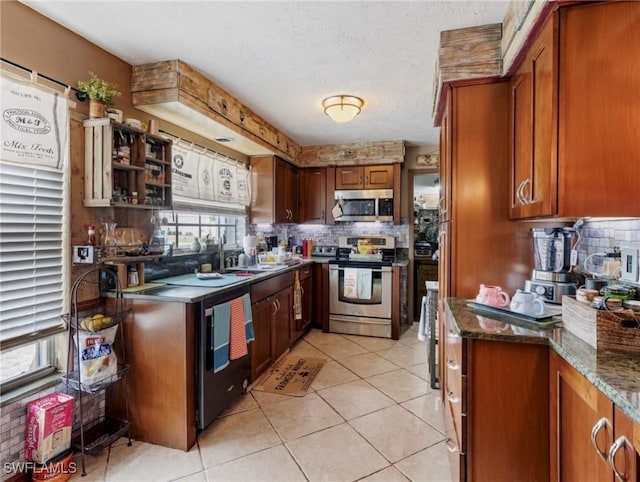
[(617, 375)]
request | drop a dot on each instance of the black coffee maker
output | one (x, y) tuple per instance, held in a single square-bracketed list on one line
[(272, 242)]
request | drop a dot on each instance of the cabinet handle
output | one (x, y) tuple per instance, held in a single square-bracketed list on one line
[(452, 365), (451, 398), (519, 194), (366, 180), (275, 307), (526, 199), (613, 450), (301, 292), (600, 424), (451, 447), (322, 214), (360, 181), (441, 205)]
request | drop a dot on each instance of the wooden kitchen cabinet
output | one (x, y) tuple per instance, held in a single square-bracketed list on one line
[(274, 185), (160, 347), (533, 143), (585, 422), (125, 167), (475, 178), (282, 321), (313, 203), (575, 124), (496, 400), (262, 346), (272, 310), (365, 177)]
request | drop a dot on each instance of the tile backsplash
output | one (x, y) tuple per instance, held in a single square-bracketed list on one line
[(604, 236), (327, 235)]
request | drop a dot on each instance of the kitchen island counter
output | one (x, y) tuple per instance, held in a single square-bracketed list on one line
[(615, 374)]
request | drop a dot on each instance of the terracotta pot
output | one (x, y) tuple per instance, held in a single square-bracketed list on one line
[(96, 109)]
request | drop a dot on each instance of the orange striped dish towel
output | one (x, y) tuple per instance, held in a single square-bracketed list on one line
[(237, 337)]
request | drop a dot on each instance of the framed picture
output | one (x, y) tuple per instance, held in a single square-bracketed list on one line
[(430, 160)]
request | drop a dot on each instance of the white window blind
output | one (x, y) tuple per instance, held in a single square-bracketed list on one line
[(32, 221)]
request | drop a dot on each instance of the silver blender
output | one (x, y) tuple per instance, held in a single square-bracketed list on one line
[(551, 278)]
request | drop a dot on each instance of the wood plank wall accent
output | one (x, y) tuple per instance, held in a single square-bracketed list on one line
[(520, 24), (384, 152), (175, 81), (467, 53)]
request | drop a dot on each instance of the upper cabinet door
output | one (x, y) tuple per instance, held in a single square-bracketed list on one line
[(281, 195), (351, 177), (378, 177), (599, 110), (365, 177), (313, 202), (533, 130)]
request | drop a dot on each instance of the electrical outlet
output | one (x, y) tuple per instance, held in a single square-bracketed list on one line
[(629, 264)]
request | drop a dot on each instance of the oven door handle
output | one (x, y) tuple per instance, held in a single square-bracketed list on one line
[(384, 269)]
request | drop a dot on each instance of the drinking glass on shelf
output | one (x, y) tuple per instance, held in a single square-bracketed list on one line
[(109, 241)]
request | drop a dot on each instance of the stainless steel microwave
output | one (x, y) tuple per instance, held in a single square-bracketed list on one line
[(364, 205)]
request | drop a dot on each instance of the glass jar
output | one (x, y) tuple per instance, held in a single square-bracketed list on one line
[(109, 241)]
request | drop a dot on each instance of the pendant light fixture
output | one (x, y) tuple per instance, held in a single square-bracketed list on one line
[(342, 108)]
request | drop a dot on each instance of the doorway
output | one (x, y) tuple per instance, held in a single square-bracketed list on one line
[(424, 202)]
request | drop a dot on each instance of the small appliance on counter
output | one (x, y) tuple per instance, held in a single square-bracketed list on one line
[(551, 277), (423, 249), (324, 251), (272, 242)]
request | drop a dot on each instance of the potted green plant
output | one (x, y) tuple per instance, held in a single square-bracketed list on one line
[(101, 94)]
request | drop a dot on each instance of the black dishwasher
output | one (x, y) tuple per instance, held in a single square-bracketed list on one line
[(216, 391)]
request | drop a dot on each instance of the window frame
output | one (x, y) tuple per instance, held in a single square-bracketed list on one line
[(173, 220)]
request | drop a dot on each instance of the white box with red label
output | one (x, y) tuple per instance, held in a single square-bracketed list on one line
[(49, 426)]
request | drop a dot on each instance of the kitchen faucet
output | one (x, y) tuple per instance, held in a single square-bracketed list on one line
[(221, 254)]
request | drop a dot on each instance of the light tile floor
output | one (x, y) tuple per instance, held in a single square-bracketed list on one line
[(370, 415)]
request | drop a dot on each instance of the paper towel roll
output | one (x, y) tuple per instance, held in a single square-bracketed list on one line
[(249, 242)]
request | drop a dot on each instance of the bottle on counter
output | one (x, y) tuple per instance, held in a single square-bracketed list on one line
[(243, 260), (91, 235)]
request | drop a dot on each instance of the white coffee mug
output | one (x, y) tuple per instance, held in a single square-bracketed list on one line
[(526, 303)]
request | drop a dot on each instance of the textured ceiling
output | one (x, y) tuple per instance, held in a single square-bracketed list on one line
[(282, 58)]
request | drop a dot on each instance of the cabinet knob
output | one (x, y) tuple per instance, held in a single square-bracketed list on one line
[(600, 424)]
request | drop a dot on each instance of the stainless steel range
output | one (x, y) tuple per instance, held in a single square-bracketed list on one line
[(360, 293)]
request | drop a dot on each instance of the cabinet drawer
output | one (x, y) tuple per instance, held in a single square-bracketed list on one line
[(457, 457), (268, 287), (453, 352), (455, 403), (305, 272), (455, 417)]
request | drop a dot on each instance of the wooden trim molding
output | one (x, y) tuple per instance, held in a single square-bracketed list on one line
[(383, 152), (174, 81)]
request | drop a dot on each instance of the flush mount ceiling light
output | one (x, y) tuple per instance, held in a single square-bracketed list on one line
[(342, 108)]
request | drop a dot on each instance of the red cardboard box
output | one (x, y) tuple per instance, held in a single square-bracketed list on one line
[(49, 425)]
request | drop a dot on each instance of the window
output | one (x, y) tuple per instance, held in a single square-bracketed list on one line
[(32, 269), (181, 228)]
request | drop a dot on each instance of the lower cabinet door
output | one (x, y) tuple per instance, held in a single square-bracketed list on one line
[(261, 350), (282, 319), (581, 426)]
